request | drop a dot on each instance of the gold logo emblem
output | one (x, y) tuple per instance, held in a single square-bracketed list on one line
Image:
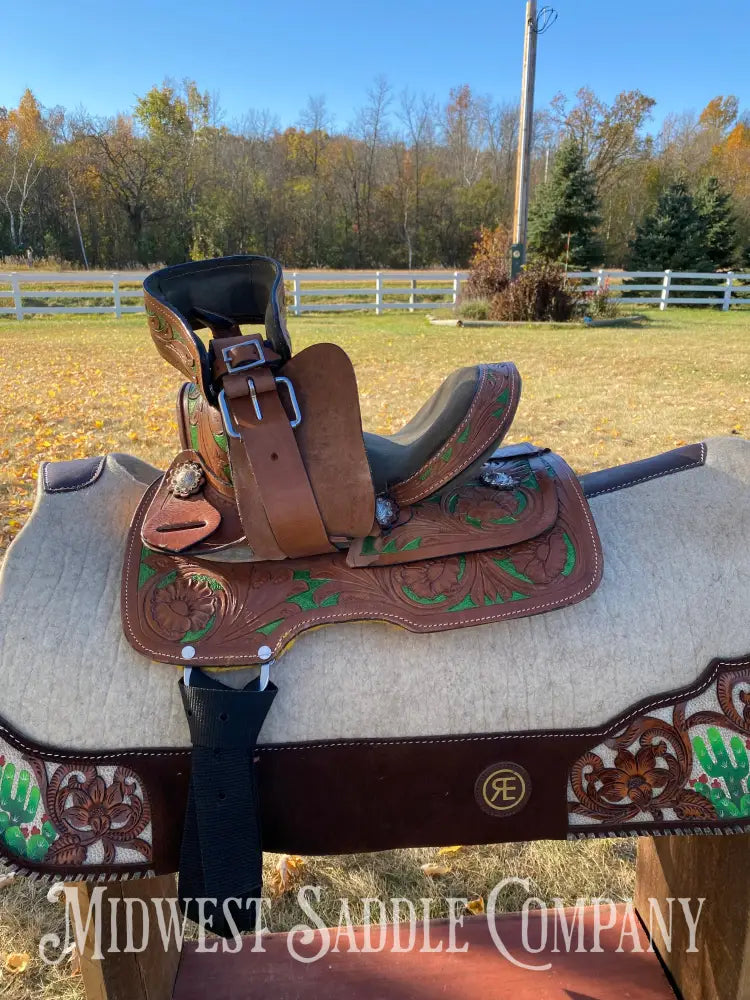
[(503, 789)]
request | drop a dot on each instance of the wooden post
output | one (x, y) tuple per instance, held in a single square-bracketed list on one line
[(16, 289), (728, 292), (665, 286), (149, 975), (456, 287), (526, 120), (116, 293), (412, 285), (600, 280), (716, 868), (378, 293)]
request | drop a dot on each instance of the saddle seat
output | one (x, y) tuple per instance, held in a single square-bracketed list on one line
[(280, 514)]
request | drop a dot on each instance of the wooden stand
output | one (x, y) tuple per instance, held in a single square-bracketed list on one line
[(149, 975), (715, 868)]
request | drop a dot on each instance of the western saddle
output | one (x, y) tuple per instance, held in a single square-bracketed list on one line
[(280, 514)]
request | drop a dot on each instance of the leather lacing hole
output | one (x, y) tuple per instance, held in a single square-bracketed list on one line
[(223, 716), (221, 796), (274, 456)]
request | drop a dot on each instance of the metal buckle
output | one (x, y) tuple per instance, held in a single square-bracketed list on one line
[(245, 365), (280, 380)]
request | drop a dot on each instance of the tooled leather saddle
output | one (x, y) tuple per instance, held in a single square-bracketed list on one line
[(280, 514)]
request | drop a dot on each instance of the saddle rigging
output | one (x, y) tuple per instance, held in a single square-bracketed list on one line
[(280, 514)]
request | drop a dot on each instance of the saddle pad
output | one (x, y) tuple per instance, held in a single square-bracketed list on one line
[(181, 609)]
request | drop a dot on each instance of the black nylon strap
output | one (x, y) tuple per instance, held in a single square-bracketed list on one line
[(221, 856)]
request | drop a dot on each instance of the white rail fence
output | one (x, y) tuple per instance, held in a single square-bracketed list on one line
[(115, 293)]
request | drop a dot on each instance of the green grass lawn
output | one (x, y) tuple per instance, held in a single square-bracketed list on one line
[(79, 386)]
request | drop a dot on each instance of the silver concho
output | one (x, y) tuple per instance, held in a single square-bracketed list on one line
[(186, 479), (493, 475), (386, 511)]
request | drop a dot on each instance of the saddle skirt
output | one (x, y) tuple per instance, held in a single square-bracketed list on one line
[(280, 515)]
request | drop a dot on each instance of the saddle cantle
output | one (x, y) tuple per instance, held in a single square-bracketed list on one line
[(280, 514)]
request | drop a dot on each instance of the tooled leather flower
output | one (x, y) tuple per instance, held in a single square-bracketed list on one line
[(634, 776), (542, 559), (430, 578), (486, 505), (182, 606)]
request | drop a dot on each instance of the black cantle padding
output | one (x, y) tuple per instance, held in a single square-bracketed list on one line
[(398, 456), (247, 288)]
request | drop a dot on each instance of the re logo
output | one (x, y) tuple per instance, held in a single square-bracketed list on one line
[(503, 789)]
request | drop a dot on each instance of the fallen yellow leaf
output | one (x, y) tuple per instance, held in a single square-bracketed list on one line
[(475, 906), (431, 870), (286, 867), (17, 961), (450, 850)]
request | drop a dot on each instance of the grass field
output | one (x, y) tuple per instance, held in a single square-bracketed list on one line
[(82, 386)]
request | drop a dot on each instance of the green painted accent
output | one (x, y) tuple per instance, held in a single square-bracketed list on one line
[(4, 821), (504, 396), (389, 547), (331, 601), (21, 805), (530, 482), (203, 578), (169, 578), (489, 601), (15, 840), (270, 627), (734, 773), (37, 847), (422, 600), (473, 520), (144, 570), (222, 441), (412, 545), (195, 636), (49, 831), (518, 596), (503, 400), (463, 437), (368, 546), (452, 504), (194, 436), (227, 474), (507, 566), (465, 605), (446, 456), (571, 559), (426, 474), (306, 600), (461, 568)]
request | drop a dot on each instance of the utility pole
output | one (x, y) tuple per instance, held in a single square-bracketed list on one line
[(521, 214)]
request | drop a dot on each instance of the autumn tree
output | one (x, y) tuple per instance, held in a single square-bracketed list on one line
[(564, 215), (27, 136)]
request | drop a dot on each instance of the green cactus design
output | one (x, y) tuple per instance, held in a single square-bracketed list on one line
[(21, 806), (18, 807), (732, 801)]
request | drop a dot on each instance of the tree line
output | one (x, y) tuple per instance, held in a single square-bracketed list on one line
[(408, 183)]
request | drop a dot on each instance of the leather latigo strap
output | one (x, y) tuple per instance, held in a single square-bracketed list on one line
[(265, 457), (240, 614)]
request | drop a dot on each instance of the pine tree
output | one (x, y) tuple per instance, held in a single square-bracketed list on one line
[(714, 207), (566, 204), (672, 236)]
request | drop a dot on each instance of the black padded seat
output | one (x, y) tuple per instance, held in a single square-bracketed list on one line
[(395, 457)]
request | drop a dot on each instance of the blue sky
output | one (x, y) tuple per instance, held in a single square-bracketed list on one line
[(272, 56)]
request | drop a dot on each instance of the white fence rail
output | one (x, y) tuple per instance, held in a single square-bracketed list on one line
[(115, 293)]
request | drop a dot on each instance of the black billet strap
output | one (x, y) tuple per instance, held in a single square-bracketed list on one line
[(221, 856)]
